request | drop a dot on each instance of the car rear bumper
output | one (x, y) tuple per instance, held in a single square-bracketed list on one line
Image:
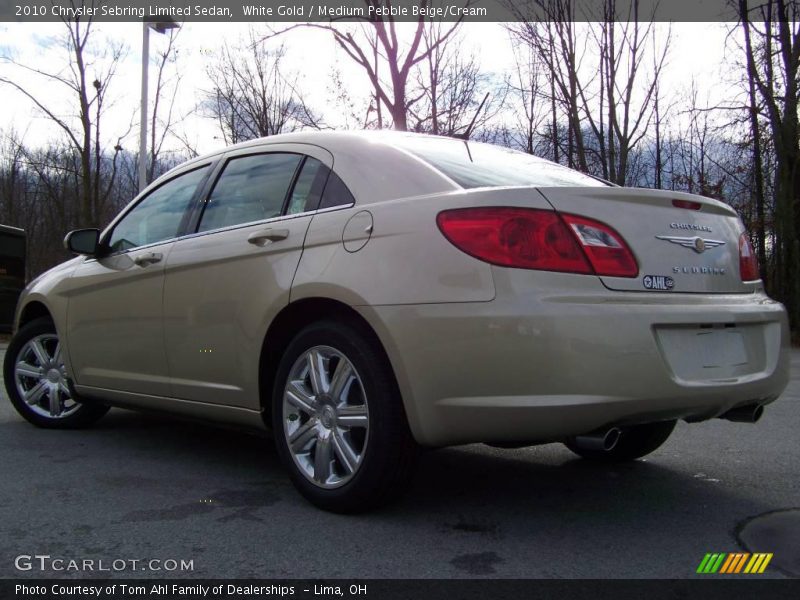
[(532, 367)]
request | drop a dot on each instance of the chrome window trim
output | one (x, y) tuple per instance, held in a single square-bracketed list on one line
[(131, 250), (190, 236), (264, 221)]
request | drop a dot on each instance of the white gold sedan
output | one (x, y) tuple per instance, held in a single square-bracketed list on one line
[(365, 294)]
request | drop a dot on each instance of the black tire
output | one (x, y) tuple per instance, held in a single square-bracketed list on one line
[(80, 414), (634, 442), (389, 451)]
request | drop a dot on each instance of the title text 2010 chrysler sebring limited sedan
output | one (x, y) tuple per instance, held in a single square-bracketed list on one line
[(362, 295)]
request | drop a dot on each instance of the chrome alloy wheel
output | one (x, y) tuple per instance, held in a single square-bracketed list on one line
[(41, 378), (325, 417)]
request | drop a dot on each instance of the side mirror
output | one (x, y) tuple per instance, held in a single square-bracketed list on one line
[(83, 241)]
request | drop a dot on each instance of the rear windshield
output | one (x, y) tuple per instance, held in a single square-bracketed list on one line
[(473, 165)]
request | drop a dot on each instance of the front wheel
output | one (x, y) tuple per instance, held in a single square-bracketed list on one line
[(634, 442), (339, 424), (37, 383)]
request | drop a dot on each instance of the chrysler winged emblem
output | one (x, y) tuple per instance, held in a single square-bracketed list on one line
[(697, 244)]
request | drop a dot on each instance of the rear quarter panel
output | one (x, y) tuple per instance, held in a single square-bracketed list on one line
[(406, 259), (406, 265)]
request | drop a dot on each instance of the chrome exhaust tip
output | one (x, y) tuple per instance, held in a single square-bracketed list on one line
[(602, 440), (749, 413)]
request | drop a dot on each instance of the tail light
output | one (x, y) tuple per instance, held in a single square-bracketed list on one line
[(607, 251), (528, 238), (748, 263)]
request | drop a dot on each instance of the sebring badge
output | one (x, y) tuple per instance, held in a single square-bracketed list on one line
[(697, 244)]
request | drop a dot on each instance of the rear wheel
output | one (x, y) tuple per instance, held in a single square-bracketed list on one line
[(340, 428), (634, 442), (37, 383)]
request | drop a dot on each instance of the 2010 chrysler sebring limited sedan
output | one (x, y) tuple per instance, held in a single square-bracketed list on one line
[(364, 295)]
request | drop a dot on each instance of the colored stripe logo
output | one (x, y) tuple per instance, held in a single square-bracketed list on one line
[(734, 562)]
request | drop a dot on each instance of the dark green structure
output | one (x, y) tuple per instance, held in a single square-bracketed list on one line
[(12, 273)]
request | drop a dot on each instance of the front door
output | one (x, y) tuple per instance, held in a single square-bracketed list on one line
[(115, 320)]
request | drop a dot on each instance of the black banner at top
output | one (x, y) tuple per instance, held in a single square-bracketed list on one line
[(366, 10)]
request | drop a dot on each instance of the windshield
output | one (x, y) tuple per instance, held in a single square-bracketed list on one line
[(473, 164)]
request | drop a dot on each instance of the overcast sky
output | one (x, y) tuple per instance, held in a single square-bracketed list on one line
[(698, 50)]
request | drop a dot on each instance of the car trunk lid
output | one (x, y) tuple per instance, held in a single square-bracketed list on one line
[(682, 242)]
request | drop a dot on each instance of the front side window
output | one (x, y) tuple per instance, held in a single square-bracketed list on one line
[(251, 188), (158, 216)]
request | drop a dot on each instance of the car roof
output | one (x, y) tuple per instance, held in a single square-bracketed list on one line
[(370, 163), (338, 139)]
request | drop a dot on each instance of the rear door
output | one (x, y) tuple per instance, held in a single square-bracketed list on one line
[(691, 240), (225, 283)]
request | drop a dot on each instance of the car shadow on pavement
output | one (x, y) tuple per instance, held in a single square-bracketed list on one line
[(545, 493), (470, 511), (476, 487)]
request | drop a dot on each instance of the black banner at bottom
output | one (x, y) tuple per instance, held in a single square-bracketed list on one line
[(405, 589)]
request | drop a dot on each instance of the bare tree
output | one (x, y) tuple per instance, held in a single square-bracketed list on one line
[(377, 47), (551, 32), (253, 95), (772, 48), (449, 90), (625, 100), (691, 153), (84, 80), (754, 107), (40, 193), (355, 111), (530, 102), (660, 115), (597, 78), (12, 182), (164, 119)]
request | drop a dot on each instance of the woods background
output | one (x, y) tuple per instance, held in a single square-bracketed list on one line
[(585, 91)]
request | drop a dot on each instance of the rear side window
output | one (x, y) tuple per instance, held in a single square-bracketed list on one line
[(336, 193), (318, 187), (472, 164), (307, 190), (158, 216), (251, 188)]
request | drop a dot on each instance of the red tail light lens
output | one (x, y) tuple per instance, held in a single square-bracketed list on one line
[(748, 263), (529, 238), (514, 237), (607, 251)]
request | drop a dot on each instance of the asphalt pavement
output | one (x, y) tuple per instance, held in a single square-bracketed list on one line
[(139, 487)]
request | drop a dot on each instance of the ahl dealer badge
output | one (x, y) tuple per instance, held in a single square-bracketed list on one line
[(658, 282)]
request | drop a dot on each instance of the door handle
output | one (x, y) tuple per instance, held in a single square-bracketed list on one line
[(265, 236), (150, 258)]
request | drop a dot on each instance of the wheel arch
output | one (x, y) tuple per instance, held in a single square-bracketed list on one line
[(287, 323), (32, 310)]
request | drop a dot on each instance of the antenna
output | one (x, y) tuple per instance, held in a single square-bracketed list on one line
[(468, 132)]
